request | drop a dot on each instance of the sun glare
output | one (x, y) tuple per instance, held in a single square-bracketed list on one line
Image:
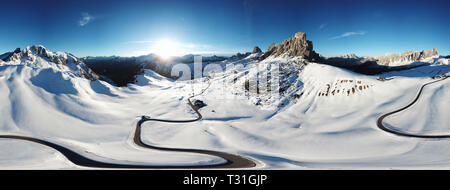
[(166, 48)]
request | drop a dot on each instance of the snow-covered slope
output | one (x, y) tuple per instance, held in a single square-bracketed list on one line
[(324, 117), (40, 58), (319, 131), (51, 101)]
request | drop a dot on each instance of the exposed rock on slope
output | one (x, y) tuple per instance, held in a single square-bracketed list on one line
[(295, 46)]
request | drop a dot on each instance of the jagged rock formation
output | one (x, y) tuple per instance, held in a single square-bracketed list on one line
[(256, 49), (39, 56), (406, 57), (295, 46)]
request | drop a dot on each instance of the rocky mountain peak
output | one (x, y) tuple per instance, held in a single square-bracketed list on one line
[(37, 50), (295, 46), (256, 49), (300, 35)]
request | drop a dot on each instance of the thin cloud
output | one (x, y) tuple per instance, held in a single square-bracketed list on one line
[(322, 26), (86, 18), (348, 34)]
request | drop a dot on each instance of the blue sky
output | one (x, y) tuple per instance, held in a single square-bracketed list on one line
[(136, 27)]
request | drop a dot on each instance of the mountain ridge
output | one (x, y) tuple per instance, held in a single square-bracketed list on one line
[(39, 56), (123, 70)]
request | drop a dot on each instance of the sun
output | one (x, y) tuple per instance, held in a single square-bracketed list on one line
[(166, 48)]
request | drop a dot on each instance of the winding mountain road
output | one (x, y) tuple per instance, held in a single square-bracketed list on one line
[(232, 161), (401, 133)]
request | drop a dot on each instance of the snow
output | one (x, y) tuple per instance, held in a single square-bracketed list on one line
[(308, 131), (433, 116), (91, 117)]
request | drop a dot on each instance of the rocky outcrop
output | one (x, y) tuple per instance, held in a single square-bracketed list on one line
[(295, 46), (405, 57), (256, 49)]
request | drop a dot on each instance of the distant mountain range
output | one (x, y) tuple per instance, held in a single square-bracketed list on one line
[(123, 70)]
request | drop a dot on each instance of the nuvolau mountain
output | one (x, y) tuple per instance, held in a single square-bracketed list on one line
[(297, 46)]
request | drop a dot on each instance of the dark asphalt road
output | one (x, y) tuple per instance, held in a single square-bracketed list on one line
[(401, 133)]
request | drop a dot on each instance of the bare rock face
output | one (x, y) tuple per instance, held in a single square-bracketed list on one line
[(256, 49), (406, 57), (295, 46), (428, 53)]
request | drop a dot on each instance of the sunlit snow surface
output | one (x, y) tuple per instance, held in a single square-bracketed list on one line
[(310, 132)]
